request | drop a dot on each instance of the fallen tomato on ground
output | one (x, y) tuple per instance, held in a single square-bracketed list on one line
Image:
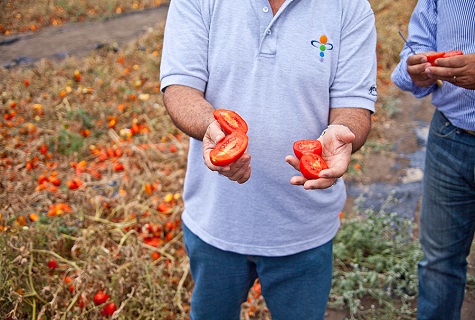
[(307, 146), (311, 165), (100, 297), (230, 121), (109, 309), (229, 149)]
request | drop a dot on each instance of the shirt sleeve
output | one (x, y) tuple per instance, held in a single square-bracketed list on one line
[(185, 46), (354, 83), (422, 38)]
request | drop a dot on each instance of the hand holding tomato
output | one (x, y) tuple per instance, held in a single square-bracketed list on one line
[(337, 148), (238, 170), (458, 69), (416, 68)]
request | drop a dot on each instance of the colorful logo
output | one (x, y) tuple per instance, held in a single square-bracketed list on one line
[(322, 44)]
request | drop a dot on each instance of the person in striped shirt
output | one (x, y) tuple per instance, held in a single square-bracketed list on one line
[(447, 220)]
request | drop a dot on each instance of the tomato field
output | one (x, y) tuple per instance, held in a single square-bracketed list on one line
[(91, 181)]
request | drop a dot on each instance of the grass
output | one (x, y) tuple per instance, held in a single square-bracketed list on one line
[(92, 175)]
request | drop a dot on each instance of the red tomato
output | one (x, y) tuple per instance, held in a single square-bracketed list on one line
[(453, 53), (307, 146), (229, 149), (311, 164), (432, 57), (109, 309), (100, 297), (52, 264), (230, 121)]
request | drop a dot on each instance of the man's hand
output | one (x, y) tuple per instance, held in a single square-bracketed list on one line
[(337, 148), (458, 70), (239, 170), (416, 68)]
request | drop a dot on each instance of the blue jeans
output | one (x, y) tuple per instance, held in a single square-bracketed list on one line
[(294, 287), (447, 220)]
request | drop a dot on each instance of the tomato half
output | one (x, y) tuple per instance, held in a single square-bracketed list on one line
[(432, 57), (229, 149), (453, 53), (311, 164), (230, 121), (307, 146)]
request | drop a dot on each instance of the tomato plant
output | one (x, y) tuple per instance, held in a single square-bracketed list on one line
[(311, 164), (230, 121), (229, 149), (109, 309), (307, 146), (100, 297)]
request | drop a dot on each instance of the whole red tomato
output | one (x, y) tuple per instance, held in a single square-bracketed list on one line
[(52, 264), (100, 297), (109, 309), (230, 121), (229, 149), (307, 146), (311, 165)]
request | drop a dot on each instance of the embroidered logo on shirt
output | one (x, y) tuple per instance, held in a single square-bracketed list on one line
[(373, 91), (322, 44)]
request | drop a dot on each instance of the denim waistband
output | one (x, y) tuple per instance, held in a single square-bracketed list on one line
[(471, 132)]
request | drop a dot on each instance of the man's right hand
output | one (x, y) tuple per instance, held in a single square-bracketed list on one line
[(416, 66), (239, 170)]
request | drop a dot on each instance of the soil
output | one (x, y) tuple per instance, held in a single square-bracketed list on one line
[(398, 170)]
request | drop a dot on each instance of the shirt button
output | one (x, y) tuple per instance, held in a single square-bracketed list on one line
[(265, 9), (269, 32)]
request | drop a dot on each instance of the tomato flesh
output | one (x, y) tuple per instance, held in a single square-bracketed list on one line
[(307, 146), (311, 165), (453, 53), (229, 149), (230, 120), (443, 54)]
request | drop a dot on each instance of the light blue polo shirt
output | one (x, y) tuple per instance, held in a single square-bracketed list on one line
[(282, 74)]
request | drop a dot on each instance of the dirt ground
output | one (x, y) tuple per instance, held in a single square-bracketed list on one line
[(392, 167)]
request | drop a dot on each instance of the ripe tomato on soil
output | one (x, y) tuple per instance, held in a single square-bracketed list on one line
[(311, 165), (100, 297), (109, 309), (230, 121)]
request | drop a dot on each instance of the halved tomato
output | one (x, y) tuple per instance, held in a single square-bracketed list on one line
[(230, 120), (307, 146), (443, 54), (311, 164), (229, 149), (432, 57), (453, 53)]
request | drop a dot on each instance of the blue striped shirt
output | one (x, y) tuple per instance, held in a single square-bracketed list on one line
[(441, 25)]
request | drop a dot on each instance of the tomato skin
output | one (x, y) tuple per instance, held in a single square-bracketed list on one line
[(109, 309), (311, 164), (229, 149), (100, 297), (230, 120), (307, 146)]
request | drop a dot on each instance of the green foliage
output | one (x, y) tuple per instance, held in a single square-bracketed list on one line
[(375, 258)]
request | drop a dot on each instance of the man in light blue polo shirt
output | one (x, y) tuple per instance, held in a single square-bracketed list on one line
[(291, 69)]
